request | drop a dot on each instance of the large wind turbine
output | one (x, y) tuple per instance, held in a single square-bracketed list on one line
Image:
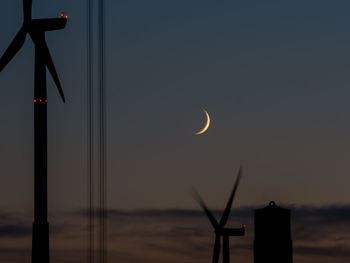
[(36, 29), (219, 227)]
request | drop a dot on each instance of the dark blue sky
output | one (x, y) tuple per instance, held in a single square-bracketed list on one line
[(273, 76)]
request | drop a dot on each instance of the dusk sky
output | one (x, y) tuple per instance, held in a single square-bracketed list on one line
[(274, 77)]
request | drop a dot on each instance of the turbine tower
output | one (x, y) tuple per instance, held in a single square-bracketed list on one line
[(219, 227), (36, 28)]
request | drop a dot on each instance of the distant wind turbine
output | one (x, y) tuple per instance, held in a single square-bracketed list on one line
[(219, 227), (36, 29)]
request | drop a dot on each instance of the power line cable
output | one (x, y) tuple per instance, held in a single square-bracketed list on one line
[(102, 133), (90, 132)]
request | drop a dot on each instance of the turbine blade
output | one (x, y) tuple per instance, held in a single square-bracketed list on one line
[(52, 69), (13, 48), (27, 10), (200, 201), (227, 210), (216, 252)]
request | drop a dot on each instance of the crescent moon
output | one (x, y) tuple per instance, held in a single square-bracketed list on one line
[(206, 125)]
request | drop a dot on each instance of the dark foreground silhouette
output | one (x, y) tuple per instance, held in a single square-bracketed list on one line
[(36, 28), (273, 241)]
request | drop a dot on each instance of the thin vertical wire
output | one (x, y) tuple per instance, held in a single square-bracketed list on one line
[(102, 143), (91, 220)]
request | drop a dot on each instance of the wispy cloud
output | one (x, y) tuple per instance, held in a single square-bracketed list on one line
[(13, 225), (179, 235), (14, 230)]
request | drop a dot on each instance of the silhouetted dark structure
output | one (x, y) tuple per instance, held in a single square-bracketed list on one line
[(273, 243), (36, 28), (219, 228)]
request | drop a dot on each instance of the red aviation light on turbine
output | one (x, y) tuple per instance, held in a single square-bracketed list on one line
[(40, 100), (243, 229), (63, 15)]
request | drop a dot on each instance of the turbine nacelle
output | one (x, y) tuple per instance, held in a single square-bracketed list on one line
[(41, 24), (47, 24), (231, 231)]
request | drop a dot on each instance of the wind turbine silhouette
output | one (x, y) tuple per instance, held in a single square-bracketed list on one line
[(36, 28), (219, 228)]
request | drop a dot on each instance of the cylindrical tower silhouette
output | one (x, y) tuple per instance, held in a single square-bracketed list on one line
[(273, 242)]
